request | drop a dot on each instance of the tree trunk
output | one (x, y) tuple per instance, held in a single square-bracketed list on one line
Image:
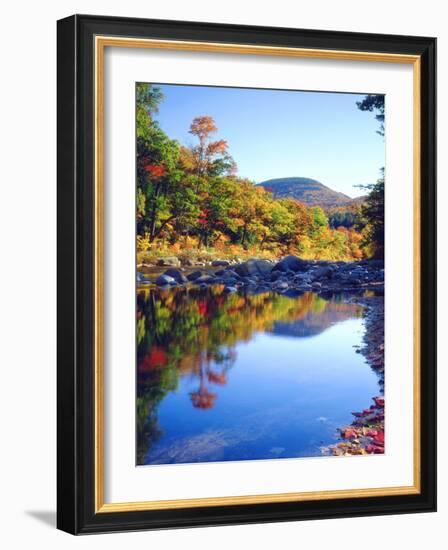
[(243, 238), (153, 219)]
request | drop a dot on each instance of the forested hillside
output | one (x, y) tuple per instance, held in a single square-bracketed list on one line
[(191, 201), (309, 191)]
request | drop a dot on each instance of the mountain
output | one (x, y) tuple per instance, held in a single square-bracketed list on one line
[(310, 192)]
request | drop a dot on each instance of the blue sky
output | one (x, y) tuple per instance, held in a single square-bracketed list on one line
[(273, 134)]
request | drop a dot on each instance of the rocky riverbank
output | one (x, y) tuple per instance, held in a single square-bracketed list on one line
[(290, 275), (365, 435)]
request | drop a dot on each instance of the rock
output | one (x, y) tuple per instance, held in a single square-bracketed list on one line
[(177, 275), (292, 263), (229, 280), (170, 261), (207, 279), (262, 289), (281, 285), (355, 275), (322, 273), (232, 273), (376, 264), (165, 280), (229, 289), (305, 286), (276, 275), (346, 267), (253, 267), (220, 263), (195, 275), (188, 262), (293, 293)]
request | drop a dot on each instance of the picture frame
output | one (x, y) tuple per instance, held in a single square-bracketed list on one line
[(82, 42)]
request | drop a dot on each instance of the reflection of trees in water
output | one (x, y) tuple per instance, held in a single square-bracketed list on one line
[(194, 332), (203, 397)]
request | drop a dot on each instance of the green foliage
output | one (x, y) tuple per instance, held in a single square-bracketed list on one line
[(372, 211), (374, 103), (342, 219), (372, 220)]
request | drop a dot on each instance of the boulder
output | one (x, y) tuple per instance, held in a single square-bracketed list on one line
[(188, 262), (293, 293), (281, 285), (253, 267), (169, 261), (229, 280), (291, 263), (194, 275), (220, 263), (230, 289), (207, 279), (276, 275), (322, 273), (163, 280), (305, 286), (177, 275), (355, 275)]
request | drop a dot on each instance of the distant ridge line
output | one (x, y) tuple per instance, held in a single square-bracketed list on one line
[(309, 191)]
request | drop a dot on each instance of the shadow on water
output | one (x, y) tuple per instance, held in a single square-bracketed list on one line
[(191, 343)]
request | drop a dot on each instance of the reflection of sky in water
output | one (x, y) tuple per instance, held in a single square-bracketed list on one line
[(285, 397)]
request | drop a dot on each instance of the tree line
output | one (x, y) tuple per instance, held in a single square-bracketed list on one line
[(191, 199)]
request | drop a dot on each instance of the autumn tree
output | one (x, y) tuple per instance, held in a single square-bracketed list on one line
[(209, 157), (164, 195)]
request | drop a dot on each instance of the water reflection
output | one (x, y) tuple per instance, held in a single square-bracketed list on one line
[(202, 350)]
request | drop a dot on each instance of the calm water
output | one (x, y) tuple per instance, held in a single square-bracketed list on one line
[(234, 377)]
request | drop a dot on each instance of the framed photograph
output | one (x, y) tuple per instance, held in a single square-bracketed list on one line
[(246, 267)]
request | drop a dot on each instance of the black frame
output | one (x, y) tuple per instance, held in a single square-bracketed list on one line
[(75, 406)]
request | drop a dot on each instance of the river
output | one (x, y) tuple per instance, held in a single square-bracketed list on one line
[(245, 376)]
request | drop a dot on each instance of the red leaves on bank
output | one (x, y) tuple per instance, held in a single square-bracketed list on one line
[(374, 449), (349, 433), (379, 401), (366, 433)]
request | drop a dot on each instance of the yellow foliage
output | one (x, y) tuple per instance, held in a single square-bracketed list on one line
[(143, 243)]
